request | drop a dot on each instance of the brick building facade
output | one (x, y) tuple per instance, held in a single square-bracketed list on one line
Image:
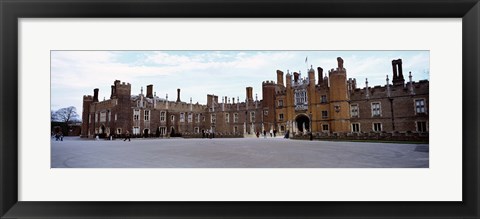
[(329, 105)]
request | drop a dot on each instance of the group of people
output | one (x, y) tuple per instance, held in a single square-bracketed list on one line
[(58, 136), (208, 134), (273, 133)]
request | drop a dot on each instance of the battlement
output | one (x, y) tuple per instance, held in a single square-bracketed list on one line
[(268, 83), (87, 98)]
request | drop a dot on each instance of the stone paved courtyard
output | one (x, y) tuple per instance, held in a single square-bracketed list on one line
[(235, 153)]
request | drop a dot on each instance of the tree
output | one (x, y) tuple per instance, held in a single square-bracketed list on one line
[(65, 115)]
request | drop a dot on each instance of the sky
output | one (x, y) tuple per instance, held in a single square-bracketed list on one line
[(222, 73)]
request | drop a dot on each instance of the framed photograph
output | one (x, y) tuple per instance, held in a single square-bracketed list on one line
[(239, 109)]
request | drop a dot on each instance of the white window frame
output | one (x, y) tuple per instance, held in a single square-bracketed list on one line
[(235, 117), (328, 127), (136, 114), (322, 100), (213, 118), (182, 117), (172, 118), (252, 116), (352, 107), (358, 127), (163, 116), (190, 117), (281, 117), (326, 116), (424, 105), (379, 109), (198, 117), (103, 117), (146, 115), (426, 125), (373, 126), (280, 103), (227, 118)]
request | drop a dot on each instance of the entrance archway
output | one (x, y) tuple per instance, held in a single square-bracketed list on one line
[(303, 123)]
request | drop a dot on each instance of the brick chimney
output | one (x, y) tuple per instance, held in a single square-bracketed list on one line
[(150, 91), (95, 95), (178, 95)]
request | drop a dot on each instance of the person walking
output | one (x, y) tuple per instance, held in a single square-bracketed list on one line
[(127, 136)]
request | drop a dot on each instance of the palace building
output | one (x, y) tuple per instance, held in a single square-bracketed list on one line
[(330, 104)]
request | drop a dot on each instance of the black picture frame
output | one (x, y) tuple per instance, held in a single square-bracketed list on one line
[(12, 10)]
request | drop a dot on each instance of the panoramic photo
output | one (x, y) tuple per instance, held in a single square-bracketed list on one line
[(240, 109)]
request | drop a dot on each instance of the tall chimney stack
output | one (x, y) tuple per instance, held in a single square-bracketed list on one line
[(178, 95), (150, 91), (320, 75), (95, 95), (112, 94), (279, 77), (250, 93), (295, 77)]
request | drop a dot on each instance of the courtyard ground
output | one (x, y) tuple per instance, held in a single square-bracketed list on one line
[(235, 153)]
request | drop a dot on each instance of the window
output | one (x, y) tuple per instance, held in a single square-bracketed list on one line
[(265, 112), (190, 117), (136, 130), (203, 118), (422, 126), (325, 127), (235, 129), (300, 97), (115, 117), (355, 127), (324, 114), (213, 118), (280, 117), (323, 99), (162, 116), (198, 118), (235, 117), (182, 117), (172, 118), (280, 103), (377, 127), (420, 106), (252, 116), (354, 110), (163, 130), (119, 131), (136, 115), (196, 130), (376, 109), (147, 115), (227, 118), (103, 116)]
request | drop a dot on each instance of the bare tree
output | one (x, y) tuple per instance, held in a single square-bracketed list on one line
[(66, 115)]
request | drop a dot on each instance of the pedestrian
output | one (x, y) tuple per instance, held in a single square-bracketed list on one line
[(258, 134), (264, 134), (274, 133), (127, 136), (311, 136), (271, 133)]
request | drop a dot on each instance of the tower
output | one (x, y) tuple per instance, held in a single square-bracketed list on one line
[(339, 106), (87, 101)]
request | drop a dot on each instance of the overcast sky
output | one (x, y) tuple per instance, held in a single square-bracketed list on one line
[(198, 73)]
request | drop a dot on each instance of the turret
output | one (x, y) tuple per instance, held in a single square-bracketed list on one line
[(288, 77), (311, 76)]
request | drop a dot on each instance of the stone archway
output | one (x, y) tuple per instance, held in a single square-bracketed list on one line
[(303, 123)]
